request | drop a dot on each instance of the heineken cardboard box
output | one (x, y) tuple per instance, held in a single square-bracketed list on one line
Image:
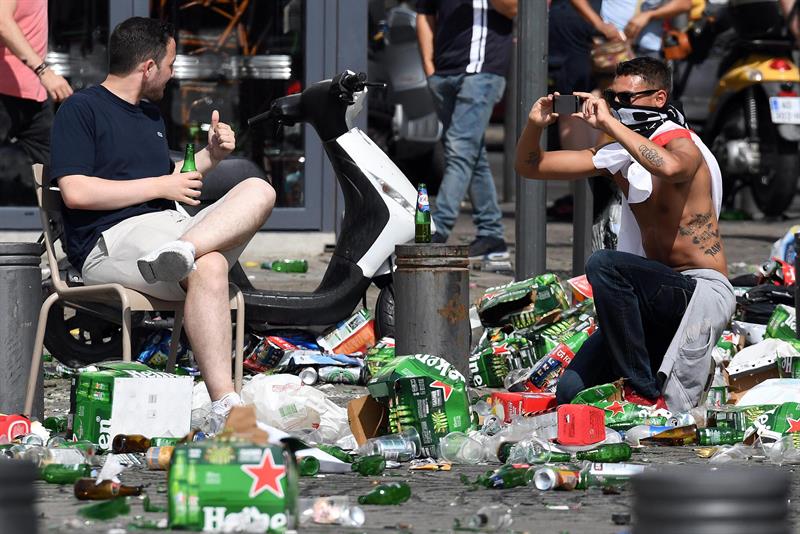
[(237, 482), (425, 392), (129, 398)]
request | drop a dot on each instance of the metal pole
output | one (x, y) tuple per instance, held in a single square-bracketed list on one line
[(582, 219), (531, 249), (431, 286), (510, 128)]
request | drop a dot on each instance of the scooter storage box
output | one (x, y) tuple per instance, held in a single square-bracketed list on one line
[(756, 19)]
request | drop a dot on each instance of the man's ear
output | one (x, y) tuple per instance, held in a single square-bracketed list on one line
[(148, 68), (662, 98)]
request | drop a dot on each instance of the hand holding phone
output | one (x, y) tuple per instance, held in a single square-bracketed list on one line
[(566, 104)]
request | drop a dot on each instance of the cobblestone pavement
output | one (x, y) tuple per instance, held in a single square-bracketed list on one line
[(438, 498)]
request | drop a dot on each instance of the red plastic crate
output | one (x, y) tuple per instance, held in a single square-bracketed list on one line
[(580, 424)]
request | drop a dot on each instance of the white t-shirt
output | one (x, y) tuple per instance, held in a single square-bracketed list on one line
[(620, 12)]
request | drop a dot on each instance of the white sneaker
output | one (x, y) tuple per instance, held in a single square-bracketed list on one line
[(172, 262)]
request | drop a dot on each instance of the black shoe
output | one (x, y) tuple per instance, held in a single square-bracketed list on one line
[(488, 247), (438, 238)]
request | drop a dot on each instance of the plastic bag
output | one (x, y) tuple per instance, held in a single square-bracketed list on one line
[(284, 402)]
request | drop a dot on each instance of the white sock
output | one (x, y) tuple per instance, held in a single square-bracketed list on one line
[(224, 405)]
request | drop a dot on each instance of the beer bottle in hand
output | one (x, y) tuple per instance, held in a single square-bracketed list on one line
[(422, 217), (188, 159)]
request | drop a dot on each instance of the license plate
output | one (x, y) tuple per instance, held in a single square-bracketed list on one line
[(785, 109)]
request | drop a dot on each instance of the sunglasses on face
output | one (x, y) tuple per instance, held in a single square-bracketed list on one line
[(625, 97)]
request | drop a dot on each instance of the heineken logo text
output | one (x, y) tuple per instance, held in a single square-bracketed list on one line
[(215, 519)]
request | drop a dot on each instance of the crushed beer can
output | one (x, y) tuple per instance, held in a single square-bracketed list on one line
[(498, 352), (774, 424), (525, 303), (782, 324), (736, 417), (623, 415), (267, 353), (379, 355), (355, 334)]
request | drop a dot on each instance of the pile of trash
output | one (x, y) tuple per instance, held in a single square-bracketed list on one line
[(419, 413)]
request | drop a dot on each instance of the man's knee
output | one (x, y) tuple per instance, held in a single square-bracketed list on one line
[(261, 192), (601, 261), (212, 267)]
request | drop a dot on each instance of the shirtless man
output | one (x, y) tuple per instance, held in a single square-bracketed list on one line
[(641, 302)]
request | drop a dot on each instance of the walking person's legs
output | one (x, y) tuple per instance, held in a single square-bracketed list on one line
[(463, 140)]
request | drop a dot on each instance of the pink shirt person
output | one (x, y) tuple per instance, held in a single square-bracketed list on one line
[(16, 78)]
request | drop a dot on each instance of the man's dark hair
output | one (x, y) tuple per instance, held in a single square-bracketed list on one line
[(135, 40), (653, 71)]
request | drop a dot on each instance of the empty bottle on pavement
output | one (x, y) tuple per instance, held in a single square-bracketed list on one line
[(393, 493), (492, 518), (88, 489), (372, 465)]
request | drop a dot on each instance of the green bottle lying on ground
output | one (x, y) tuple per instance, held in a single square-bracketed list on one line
[(394, 493)]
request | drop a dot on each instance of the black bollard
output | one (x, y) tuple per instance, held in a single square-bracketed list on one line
[(20, 301), (432, 302), (18, 497), (699, 500)]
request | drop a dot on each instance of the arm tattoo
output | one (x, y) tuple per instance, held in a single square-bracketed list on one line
[(651, 155), (533, 158), (703, 233)]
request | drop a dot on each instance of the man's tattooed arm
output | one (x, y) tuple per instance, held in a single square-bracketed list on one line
[(651, 155)]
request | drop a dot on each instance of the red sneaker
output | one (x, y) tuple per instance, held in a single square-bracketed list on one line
[(630, 395)]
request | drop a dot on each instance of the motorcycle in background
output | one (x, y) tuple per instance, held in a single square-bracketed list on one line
[(402, 118), (740, 85)]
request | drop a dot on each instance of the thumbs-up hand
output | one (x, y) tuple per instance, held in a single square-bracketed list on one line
[(221, 140)]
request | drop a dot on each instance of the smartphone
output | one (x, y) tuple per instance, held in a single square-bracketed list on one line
[(566, 104)]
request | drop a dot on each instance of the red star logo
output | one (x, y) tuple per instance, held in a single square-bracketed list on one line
[(266, 476), (794, 424), (500, 349), (447, 390), (615, 407)]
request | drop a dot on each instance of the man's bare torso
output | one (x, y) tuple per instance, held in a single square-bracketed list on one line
[(678, 223)]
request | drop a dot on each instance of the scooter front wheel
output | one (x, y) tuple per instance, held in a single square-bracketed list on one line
[(384, 312)]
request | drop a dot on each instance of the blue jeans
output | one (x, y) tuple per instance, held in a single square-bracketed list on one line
[(464, 103), (639, 304)]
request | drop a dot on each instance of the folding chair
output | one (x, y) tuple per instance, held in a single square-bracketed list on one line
[(128, 300)]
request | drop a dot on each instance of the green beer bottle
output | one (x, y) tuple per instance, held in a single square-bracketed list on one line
[(194, 514), (107, 509), (308, 466), (64, 474), (394, 493), (609, 453), (511, 476), (177, 490), (719, 436), (336, 452), (287, 266), (422, 217), (55, 424), (372, 465), (188, 159)]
